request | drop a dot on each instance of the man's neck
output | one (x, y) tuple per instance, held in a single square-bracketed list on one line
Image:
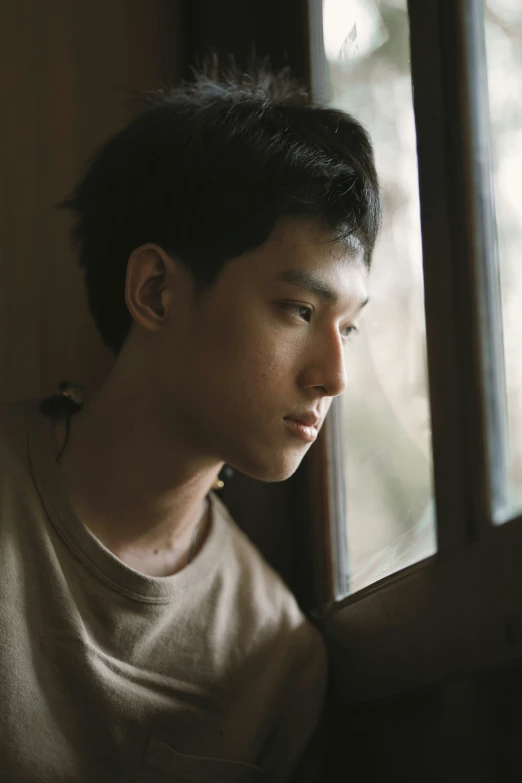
[(139, 493)]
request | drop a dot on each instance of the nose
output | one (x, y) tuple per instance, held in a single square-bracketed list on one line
[(327, 367)]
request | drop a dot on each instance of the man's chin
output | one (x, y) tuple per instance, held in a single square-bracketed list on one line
[(271, 471)]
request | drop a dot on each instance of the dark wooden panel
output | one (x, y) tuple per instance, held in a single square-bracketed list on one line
[(465, 728), (499, 707), (68, 73), (240, 27), (387, 741)]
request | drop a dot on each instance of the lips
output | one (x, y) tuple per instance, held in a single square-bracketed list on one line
[(304, 431), (308, 419)]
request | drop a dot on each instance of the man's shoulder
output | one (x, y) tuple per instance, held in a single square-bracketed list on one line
[(264, 605), (279, 657), (260, 583)]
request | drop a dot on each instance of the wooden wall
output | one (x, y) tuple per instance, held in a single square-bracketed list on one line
[(68, 71)]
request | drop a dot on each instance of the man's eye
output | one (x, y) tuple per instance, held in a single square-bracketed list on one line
[(302, 312), (349, 331)]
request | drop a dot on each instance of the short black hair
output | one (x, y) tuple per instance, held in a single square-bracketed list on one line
[(206, 169)]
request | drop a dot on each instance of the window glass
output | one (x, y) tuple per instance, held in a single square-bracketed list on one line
[(503, 26), (389, 513)]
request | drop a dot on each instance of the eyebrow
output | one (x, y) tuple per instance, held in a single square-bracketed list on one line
[(309, 281)]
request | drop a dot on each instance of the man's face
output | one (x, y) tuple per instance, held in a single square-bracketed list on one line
[(258, 348)]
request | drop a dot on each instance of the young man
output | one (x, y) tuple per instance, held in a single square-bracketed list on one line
[(225, 236)]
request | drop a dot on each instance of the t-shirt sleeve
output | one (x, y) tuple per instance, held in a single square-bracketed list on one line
[(295, 748)]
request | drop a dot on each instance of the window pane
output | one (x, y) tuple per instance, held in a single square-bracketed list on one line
[(390, 520), (503, 20)]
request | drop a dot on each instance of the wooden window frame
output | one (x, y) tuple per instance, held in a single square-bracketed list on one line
[(458, 609)]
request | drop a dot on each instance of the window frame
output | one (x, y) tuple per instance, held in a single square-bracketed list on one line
[(457, 608)]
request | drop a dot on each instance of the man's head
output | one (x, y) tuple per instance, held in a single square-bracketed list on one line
[(202, 226)]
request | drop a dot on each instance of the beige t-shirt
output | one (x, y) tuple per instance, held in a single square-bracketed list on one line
[(106, 674)]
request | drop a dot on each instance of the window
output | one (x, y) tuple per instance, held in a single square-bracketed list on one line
[(454, 610), (420, 653), (388, 511)]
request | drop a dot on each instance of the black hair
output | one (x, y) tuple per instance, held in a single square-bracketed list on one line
[(206, 169)]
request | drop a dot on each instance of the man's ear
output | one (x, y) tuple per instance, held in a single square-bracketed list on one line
[(149, 286)]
